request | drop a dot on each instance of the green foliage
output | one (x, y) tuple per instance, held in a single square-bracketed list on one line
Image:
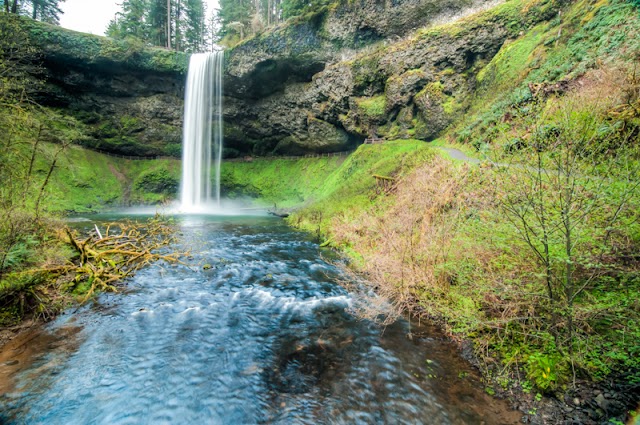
[(160, 181), (130, 21), (292, 8), (63, 44), (239, 19), (373, 108), (44, 10), (173, 150), (546, 371), (24, 287), (21, 252)]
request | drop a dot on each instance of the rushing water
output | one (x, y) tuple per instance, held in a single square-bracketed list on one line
[(202, 133), (264, 335)]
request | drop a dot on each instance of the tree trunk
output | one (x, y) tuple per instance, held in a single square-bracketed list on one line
[(14, 7), (177, 43), (34, 152), (566, 218), (169, 24)]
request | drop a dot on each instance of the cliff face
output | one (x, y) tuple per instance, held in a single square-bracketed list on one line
[(128, 98), (328, 82), (322, 83)]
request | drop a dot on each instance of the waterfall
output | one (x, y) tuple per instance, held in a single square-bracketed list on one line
[(202, 134)]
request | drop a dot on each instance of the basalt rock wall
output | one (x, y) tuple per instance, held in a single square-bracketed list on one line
[(124, 98), (365, 68)]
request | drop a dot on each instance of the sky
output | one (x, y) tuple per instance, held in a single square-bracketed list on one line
[(93, 16)]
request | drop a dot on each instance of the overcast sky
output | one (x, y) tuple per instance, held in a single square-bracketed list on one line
[(93, 16)]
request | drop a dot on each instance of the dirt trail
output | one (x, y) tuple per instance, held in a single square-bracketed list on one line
[(126, 185)]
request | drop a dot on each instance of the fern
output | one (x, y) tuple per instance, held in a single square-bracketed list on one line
[(20, 253)]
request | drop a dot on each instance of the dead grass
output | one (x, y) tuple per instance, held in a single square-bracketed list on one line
[(419, 248)]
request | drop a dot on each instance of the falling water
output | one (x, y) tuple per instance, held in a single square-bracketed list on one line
[(202, 133)]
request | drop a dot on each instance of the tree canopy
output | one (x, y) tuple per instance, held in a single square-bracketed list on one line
[(43, 10), (186, 25), (255, 15), (175, 24)]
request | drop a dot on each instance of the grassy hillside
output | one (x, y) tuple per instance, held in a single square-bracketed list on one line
[(88, 181), (293, 183)]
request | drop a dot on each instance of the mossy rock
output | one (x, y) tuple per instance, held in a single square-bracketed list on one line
[(400, 89), (159, 181), (372, 108)]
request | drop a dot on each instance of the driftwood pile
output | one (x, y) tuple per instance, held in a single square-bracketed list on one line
[(105, 258)]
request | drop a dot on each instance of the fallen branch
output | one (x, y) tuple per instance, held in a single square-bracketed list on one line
[(125, 248)]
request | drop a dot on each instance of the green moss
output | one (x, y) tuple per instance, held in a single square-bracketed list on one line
[(372, 107), (412, 72), (331, 184), (66, 45), (513, 61), (511, 11), (434, 90), (158, 181), (88, 181), (352, 187), (367, 73), (451, 106), (588, 33), (84, 181), (284, 182), (151, 181)]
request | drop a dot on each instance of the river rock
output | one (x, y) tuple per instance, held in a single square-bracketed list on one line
[(601, 401)]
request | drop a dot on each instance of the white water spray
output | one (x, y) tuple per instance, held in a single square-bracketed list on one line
[(202, 134)]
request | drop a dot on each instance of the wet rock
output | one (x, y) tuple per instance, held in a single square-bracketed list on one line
[(301, 367), (601, 401)]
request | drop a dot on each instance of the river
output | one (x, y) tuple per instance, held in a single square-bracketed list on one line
[(263, 336)]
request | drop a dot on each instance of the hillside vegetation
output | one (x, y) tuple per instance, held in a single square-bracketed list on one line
[(532, 254), (44, 174)]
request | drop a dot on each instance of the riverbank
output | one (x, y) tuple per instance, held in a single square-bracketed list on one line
[(429, 233)]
